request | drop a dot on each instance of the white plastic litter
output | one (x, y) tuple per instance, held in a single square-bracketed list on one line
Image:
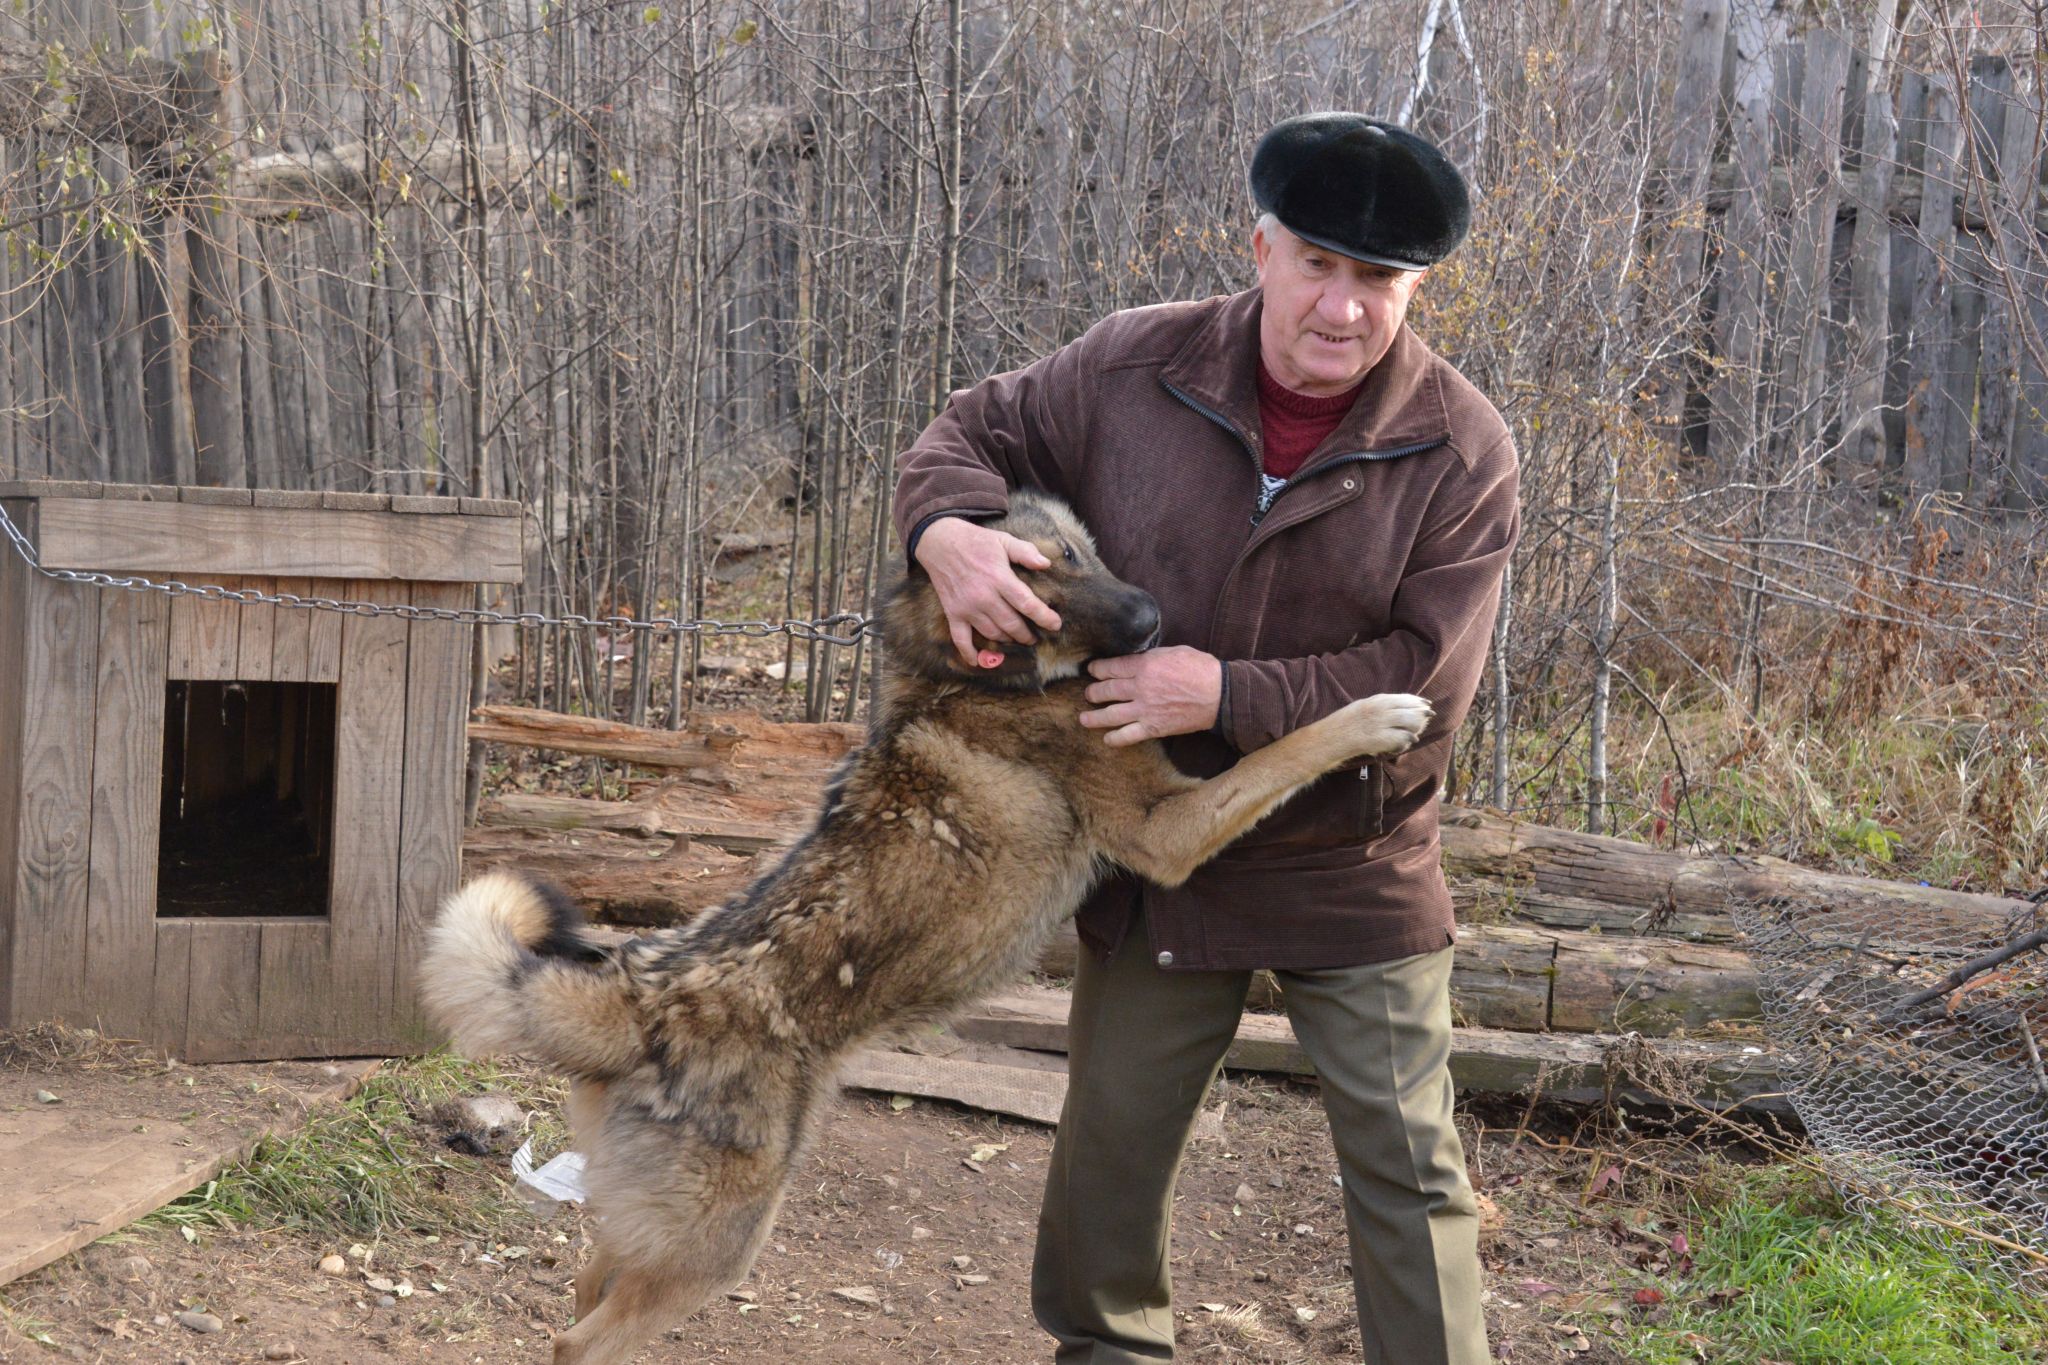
[(561, 1179)]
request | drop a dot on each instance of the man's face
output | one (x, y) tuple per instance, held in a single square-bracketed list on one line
[(1327, 318)]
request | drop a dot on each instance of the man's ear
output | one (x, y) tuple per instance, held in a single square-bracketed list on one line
[(1262, 249)]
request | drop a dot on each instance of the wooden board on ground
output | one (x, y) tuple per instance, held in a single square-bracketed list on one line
[(1574, 1067), (96, 1160)]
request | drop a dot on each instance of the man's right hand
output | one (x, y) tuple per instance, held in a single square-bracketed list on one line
[(970, 567)]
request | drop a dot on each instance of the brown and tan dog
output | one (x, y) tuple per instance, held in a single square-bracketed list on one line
[(947, 851)]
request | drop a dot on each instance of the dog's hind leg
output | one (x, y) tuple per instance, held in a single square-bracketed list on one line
[(639, 1299), (590, 1281)]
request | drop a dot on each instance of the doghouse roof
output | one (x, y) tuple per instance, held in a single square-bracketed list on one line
[(145, 529)]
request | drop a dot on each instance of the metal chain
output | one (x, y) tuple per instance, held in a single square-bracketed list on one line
[(842, 628)]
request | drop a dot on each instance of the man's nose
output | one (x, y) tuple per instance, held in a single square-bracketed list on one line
[(1340, 306)]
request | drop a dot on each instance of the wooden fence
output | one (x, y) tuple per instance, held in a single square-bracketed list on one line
[(572, 255)]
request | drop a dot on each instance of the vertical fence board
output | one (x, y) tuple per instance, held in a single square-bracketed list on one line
[(205, 635), (51, 867), (1931, 410), (436, 709), (368, 781), (127, 780), (1694, 114)]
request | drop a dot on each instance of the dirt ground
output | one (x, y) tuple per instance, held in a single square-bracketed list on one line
[(892, 1247)]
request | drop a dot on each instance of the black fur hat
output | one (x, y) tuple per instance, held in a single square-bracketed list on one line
[(1361, 187)]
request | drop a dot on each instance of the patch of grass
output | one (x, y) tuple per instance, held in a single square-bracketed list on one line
[(376, 1165), (1784, 1272)]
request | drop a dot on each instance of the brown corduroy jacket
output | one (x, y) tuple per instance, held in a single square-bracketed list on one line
[(1376, 568)]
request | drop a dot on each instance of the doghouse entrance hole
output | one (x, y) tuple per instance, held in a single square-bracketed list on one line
[(248, 800)]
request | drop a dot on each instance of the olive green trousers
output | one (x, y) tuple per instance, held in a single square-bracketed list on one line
[(1145, 1045)]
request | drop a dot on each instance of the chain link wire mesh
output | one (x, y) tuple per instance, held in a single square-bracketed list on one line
[(1937, 1110)]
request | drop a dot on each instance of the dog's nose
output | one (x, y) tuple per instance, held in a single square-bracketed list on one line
[(1143, 621)]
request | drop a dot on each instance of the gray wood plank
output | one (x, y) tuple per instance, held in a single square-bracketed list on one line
[(1733, 437), (205, 640), (152, 537), (1867, 337), (225, 1003), (1930, 413), (323, 630), (171, 988), (291, 635), (1689, 140), (436, 745), (1805, 330), (258, 634), (297, 969), (368, 805), (127, 777), (60, 649), (14, 576)]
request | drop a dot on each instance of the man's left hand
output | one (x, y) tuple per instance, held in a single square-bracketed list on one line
[(1170, 691)]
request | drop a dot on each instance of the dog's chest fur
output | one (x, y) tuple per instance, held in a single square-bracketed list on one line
[(946, 854)]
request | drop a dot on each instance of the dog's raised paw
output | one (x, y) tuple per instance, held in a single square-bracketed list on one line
[(1389, 723)]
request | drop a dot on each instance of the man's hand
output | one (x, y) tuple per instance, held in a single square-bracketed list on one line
[(979, 591), (1171, 691)]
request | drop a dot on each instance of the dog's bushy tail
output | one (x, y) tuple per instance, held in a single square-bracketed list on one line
[(507, 968)]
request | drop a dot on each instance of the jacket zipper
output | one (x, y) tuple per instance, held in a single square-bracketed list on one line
[(1269, 493)]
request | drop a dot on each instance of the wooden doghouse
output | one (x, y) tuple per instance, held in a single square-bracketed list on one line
[(223, 827)]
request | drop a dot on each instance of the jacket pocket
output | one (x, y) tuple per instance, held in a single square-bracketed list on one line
[(1372, 800)]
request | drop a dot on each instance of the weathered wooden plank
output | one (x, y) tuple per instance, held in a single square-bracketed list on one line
[(120, 336), (127, 781), (1930, 412), (214, 363), (323, 630), (171, 987), (430, 851), (227, 971), (1804, 328), (296, 966), (51, 869), (166, 402), (257, 642), (291, 635), (1756, 28), (1022, 1092), (2013, 420), (14, 591), (1867, 339), (189, 538), (205, 641), (1689, 140), (1576, 1068), (123, 1171), (368, 794)]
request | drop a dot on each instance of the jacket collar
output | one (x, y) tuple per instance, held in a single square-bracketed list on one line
[(1401, 403)]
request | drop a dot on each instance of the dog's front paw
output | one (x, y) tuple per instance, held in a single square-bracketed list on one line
[(1389, 723)]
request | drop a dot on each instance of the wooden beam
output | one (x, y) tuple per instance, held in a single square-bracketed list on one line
[(194, 538), (283, 186), (146, 102), (1577, 1068)]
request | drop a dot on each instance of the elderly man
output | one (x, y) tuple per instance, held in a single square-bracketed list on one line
[(1323, 508)]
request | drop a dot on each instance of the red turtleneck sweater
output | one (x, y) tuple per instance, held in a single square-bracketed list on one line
[(1294, 424)]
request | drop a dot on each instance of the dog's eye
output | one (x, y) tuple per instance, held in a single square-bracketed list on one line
[(1067, 552)]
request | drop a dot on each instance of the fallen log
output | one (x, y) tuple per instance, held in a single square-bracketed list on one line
[(1592, 867), (1577, 1068), (616, 878), (736, 740)]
